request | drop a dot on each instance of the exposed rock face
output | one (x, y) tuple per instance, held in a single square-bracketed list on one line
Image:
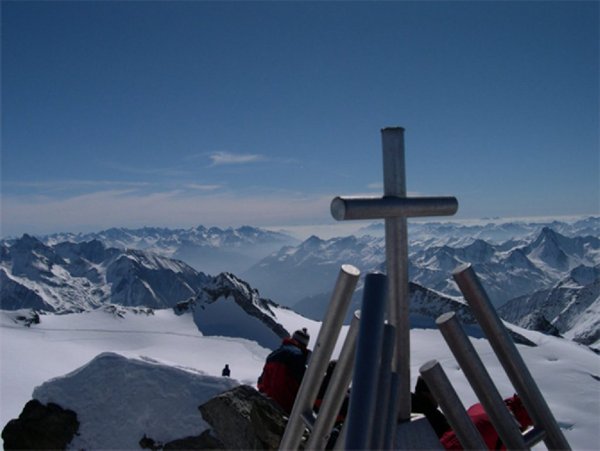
[(202, 441), (243, 418), (569, 309), (41, 427)]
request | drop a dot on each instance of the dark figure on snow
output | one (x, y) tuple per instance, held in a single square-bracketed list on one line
[(284, 370), (422, 401), (226, 372), (324, 386)]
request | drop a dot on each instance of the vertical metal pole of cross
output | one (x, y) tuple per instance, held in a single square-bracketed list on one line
[(395, 207), (396, 246)]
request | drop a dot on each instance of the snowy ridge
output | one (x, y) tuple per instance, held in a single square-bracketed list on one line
[(229, 307), (571, 307)]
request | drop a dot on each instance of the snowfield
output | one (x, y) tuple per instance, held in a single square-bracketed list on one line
[(162, 351)]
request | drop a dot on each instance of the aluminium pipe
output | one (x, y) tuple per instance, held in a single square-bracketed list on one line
[(509, 356), (451, 405), (398, 308), (348, 208), (363, 395), (384, 386), (323, 348), (480, 381), (336, 390), (396, 254), (391, 423)]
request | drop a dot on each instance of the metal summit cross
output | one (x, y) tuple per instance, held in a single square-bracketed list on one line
[(395, 208)]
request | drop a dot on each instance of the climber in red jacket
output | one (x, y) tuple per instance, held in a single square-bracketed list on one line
[(284, 369)]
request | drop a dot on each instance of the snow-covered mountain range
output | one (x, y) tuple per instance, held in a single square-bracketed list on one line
[(69, 277), (508, 270), (493, 230), (211, 250), (75, 277)]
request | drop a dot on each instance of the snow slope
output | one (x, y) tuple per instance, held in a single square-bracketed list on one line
[(166, 349)]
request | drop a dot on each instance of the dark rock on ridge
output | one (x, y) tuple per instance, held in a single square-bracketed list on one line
[(243, 418), (202, 441), (41, 426)]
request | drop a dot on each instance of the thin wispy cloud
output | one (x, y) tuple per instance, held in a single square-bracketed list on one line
[(68, 185), (228, 158), (161, 171), (200, 187)]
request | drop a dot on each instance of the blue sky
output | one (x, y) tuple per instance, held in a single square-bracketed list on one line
[(184, 113)]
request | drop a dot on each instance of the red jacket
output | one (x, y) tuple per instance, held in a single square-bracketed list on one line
[(283, 372), (484, 425)]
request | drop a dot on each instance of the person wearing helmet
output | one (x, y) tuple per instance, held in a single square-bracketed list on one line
[(284, 369)]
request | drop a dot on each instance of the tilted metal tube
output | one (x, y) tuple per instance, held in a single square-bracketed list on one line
[(384, 383), (451, 405), (323, 348), (480, 381), (366, 366), (336, 391), (509, 356)]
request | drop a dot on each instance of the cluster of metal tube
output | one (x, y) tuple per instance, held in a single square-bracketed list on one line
[(546, 428), (365, 363)]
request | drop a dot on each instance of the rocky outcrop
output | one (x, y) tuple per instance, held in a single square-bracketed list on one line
[(243, 418), (41, 427), (202, 441), (239, 419)]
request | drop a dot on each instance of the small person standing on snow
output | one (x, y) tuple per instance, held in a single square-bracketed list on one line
[(226, 372), (284, 370)]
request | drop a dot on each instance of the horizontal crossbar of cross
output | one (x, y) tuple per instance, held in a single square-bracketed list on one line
[(347, 208)]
